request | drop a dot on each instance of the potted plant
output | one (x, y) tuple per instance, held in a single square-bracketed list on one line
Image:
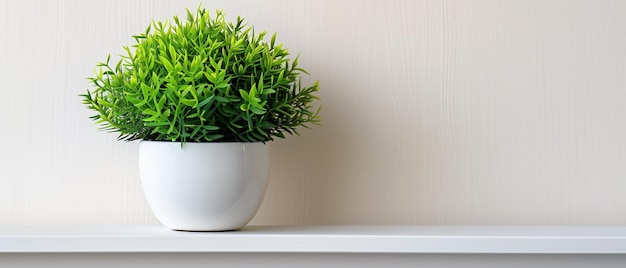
[(204, 96)]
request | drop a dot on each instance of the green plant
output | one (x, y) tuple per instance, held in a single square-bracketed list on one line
[(203, 79)]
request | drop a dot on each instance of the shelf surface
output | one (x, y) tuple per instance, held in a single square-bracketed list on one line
[(318, 239)]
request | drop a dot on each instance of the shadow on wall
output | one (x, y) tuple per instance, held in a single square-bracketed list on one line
[(347, 171)]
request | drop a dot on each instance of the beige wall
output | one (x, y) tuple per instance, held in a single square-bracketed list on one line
[(436, 112)]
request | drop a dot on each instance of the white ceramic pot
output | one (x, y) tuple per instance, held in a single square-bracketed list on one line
[(204, 186)]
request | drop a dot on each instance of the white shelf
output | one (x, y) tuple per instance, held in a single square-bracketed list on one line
[(317, 239)]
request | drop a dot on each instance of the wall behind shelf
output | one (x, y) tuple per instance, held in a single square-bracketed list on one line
[(435, 112)]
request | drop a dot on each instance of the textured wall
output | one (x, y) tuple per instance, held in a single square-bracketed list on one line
[(436, 112)]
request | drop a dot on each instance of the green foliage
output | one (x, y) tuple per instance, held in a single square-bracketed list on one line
[(202, 79)]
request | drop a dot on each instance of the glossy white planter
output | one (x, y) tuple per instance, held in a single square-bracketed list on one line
[(204, 186)]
